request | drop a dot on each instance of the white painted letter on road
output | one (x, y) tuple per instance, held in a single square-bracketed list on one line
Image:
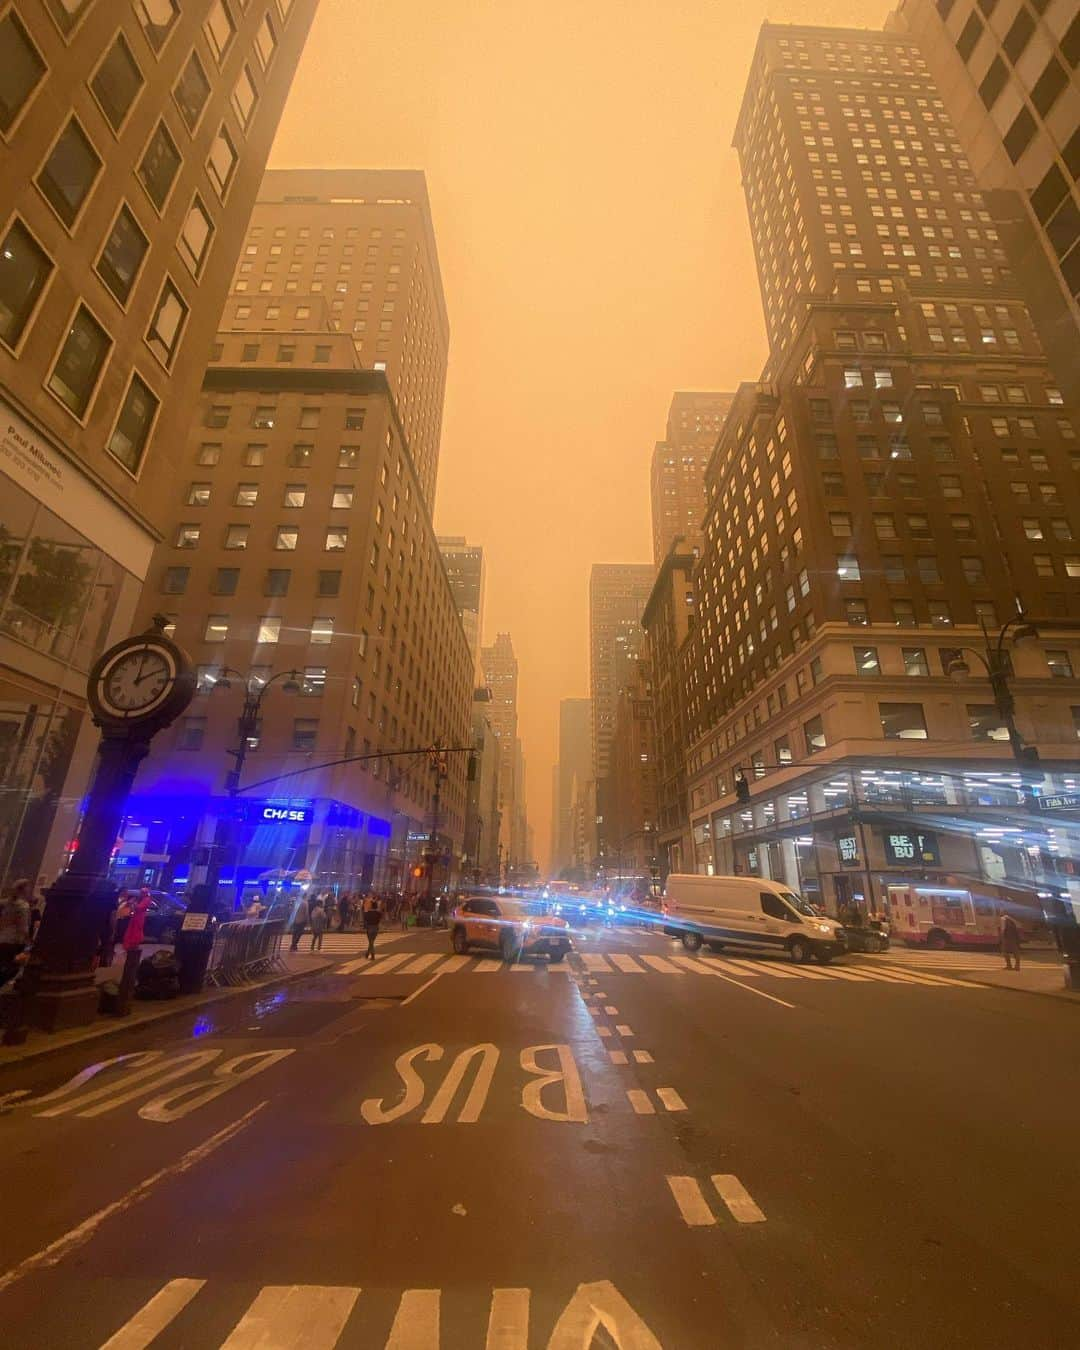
[(373, 1109), (600, 1305), (180, 1101), (566, 1073), (474, 1102)]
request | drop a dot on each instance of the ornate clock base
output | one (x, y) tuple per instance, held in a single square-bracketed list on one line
[(77, 910)]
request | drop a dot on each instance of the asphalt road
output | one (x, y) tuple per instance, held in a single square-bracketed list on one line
[(638, 1149)]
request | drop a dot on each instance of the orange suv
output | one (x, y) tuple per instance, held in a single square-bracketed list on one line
[(506, 925)]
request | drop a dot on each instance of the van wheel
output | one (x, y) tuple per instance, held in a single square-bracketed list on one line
[(459, 941), (823, 958), (691, 941), (937, 939), (556, 954), (799, 951)]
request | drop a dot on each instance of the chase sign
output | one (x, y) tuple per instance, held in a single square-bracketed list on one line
[(266, 813)]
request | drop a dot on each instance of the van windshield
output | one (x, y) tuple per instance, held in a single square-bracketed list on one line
[(798, 904)]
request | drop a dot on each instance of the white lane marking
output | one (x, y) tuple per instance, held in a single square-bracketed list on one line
[(524, 965), (643, 1057), (420, 963), (691, 1202), (694, 964), (603, 1031), (617, 1056), (751, 990), (639, 1100), (627, 964), (766, 968), (284, 1316), (660, 964), (153, 1317), (454, 963), (623, 1029), (416, 1326), (735, 1195), (76, 1237), (487, 966), (592, 961), (732, 967), (379, 966), (478, 1093), (508, 1321), (670, 1099), (566, 1074), (611, 1010), (599, 994), (600, 1305), (923, 977), (889, 977), (417, 992)]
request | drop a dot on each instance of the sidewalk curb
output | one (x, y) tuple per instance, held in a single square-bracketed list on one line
[(122, 1027), (1059, 996)]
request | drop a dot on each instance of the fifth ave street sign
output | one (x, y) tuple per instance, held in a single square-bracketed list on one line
[(1062, 802)]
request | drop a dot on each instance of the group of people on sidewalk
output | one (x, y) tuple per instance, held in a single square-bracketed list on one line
[(316, 915), (21, 909)]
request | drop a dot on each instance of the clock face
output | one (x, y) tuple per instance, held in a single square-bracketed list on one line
[(137, 681)]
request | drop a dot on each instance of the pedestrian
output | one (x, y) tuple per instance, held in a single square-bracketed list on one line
[(255, 908), (14, 928), (371, 913), (318, 925), (344, 911), (403, 911), (299, 922), (37, 905), (1010, 940)]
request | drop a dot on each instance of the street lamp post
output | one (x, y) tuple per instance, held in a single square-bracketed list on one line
[(225, 835), (994, 660)]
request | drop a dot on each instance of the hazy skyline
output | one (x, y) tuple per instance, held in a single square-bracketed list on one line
[(595, 254)]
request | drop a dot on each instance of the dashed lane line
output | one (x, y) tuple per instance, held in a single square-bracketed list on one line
[(691, 1202), (735, 1195), (670, 1099)]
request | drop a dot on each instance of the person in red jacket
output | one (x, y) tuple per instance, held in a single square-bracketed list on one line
[(135, 932)]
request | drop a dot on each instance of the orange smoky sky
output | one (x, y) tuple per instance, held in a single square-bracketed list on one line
[(595, 253)]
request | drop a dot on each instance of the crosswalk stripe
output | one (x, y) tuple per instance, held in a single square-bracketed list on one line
[(626, 964), (420, 963), (642, 1057), (623, 1029), (382, 964), (730, 967), (153, 1317), (618, 1056), (640, 1101), (763, 968), (508, 1321), (523, 965), (897, 977), (658, 963), (416, 1326), (304, 1316), (670, 1099), (691, 1202), (486, 967), (593, 961), (735, 1195), (454, 963)]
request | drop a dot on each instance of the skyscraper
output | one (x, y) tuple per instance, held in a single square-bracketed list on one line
[(501, 673), (574, 766), (1007, 76), (678, 469), (899, 482), (465, 569), (301, 540), (134, 137), (617, 596)]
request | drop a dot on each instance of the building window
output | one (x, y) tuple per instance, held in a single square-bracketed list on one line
[(354, 419), (217, 628), (915, 663), (1059, 664), (175, 580), (337, 538), (301, 455), (158, 18), (187, 536), (840, 524), (985, 723), (220, 29), (305, 733), (21, 69), (1019, 135), (277, 581), (192, 732), (814, 735), (348, 456), (940, 614), (80, 363), (163, 335), (24, 270), (262, 417), (286, 537), (928, 568), (866, 661), (159, 166), (217, 415), (268, 631), (226, 579), (117, 82), (314, 682), (236, 536), (128, 440), (195, 237), (69, 173), (329, 583), (244, 98), (250, 351), (254, 456), (266, 41), (192, 91), (973, 570), (1048, 86), (295, 494), (341, 498), (322, 632), (222, 162), (123, 254), (902, 721), (246, 494), (904, 614), (847, 568), (856, 612)]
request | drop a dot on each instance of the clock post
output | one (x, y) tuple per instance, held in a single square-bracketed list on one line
[(135, 689)]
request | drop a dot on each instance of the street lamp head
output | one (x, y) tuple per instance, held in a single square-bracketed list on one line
[(958, 669), (1025, 632), (221, 681), (292, 684)]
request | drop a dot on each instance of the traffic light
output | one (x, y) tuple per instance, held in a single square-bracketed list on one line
[(742, 790), (418, 872)]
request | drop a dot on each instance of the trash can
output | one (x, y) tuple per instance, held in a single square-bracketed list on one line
[(194, 942)]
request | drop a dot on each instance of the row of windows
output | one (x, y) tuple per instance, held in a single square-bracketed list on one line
[(276, 581), (265, 417), (294, 495), (286, 537)]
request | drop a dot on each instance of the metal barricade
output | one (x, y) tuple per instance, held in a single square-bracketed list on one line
[(244, 949)]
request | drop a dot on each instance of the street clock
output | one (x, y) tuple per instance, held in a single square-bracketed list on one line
[(142, 684)]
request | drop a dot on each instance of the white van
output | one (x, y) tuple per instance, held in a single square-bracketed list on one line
[(751, 913)]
